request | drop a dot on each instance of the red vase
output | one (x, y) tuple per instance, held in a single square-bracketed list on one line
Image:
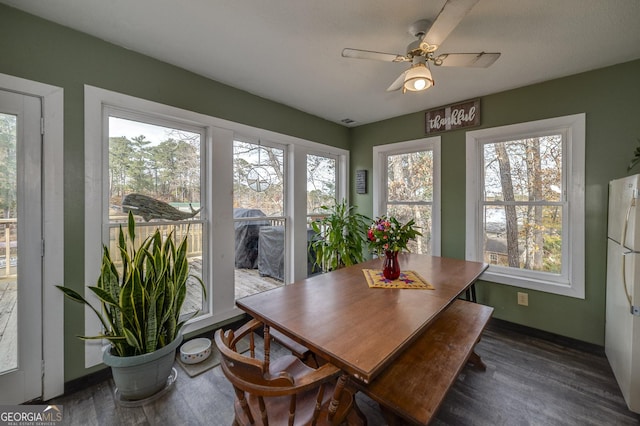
[(391, 266)]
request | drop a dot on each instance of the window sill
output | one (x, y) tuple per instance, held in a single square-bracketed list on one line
[(555, 287)]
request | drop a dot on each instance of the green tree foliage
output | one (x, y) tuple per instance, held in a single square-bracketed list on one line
[(168, 171)]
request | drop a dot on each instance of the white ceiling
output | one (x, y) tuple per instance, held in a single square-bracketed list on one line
[(289, 51)]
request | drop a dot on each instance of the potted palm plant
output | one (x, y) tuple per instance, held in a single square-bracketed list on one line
[(340, 237), (140, 309)]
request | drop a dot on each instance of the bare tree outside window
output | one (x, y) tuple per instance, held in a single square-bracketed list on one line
[(258, 177), (321, 183), (523, 203), (410, 193)]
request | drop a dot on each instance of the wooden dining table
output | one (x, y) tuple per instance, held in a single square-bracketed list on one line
[(361, 329)]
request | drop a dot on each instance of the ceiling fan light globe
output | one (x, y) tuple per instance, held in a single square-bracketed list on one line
[(417, 84), (418, 78), (420, 84)]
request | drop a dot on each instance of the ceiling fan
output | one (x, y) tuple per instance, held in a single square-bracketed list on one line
[(422, 51)]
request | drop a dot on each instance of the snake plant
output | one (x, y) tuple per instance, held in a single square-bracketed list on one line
[(141, 303)]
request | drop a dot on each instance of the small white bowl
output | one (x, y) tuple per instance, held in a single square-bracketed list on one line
[(195, 350)]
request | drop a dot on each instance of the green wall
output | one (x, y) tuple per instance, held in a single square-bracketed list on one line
[(39, 50), (610, 98)]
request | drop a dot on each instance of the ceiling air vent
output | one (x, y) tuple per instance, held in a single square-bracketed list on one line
[(347, 121)]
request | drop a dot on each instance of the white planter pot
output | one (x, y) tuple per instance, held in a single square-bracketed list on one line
[(138, 377)]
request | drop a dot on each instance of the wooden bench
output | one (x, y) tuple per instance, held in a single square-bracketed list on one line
[(415, 384)]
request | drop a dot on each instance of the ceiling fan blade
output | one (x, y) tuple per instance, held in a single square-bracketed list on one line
[(370, 54), (449, 17), (397, 84), (470, 60)]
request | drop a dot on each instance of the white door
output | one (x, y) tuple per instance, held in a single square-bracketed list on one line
[(20, 248)]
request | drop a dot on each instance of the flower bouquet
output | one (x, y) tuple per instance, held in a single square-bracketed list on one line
[(387, 235)]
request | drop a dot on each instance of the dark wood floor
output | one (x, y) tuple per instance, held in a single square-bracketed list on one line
[(531, 379)]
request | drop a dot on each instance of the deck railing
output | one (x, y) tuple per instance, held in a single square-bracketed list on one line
[(193, 229), (8, 247)]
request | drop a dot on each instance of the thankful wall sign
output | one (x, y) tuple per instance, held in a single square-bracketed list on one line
[(453, 117)]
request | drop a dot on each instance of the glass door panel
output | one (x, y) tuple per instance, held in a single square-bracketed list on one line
[(20, 249), (8, 244)]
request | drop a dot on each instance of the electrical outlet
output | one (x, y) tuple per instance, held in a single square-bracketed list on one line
[(523, 299)]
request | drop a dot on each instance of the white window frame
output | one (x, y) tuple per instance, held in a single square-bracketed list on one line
[(98, 104), (572, 281), (219, 152), (297, 198), (380, 154)]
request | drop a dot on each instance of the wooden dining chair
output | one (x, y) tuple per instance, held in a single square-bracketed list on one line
[(282, 391)]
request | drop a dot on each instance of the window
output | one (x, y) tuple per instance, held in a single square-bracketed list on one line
[(153, 160), (259, 177), (321, 182), (525, 204), (204, 169), (407, 186), (155, 172)]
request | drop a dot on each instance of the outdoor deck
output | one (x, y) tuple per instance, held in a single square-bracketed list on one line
[(8, 321), (247, 281)]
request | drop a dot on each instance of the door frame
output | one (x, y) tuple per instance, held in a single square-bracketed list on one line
[(52, 98)]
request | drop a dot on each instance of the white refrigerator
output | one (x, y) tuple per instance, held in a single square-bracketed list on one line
[(622, 328)]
